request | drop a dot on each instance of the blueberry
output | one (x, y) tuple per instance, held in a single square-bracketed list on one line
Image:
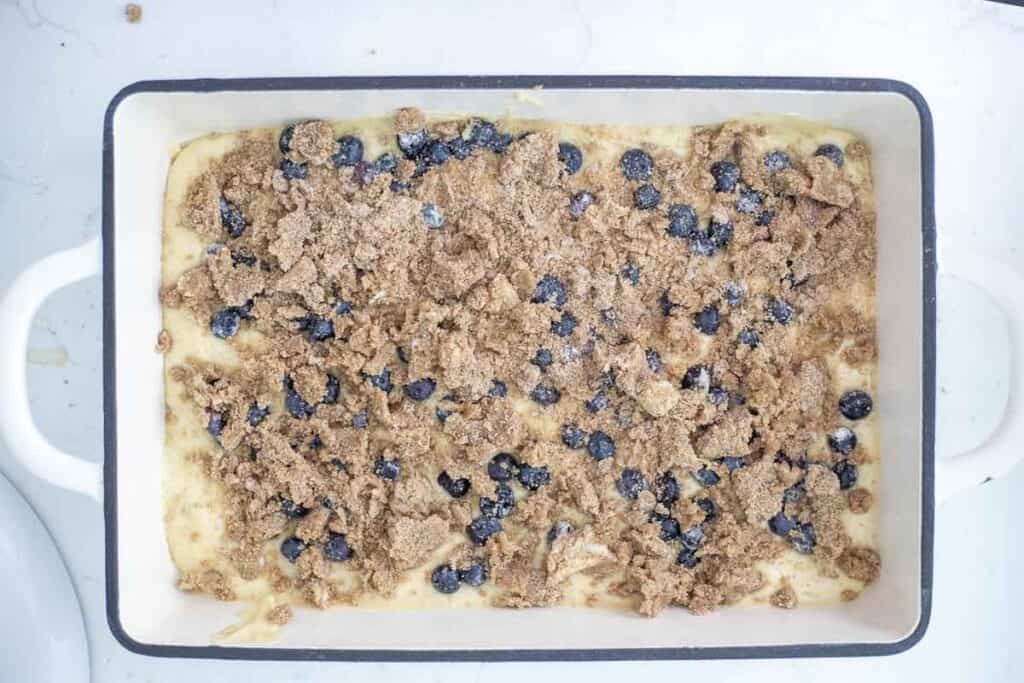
[(855, 405), (432, 216), (293, 401), (636, 164), (502, 467), (549, 290), (332, 391), (545, 395), (445, 579), (720, 234), (459, 148), (842, 440), (225, 322), (242, 257), (360, 420), (501, 142), (692, 537), (399, 186), (570, 155), (421, 389), (775, 161), (646, 197), (256, 414), (316, 443), (291, 548), (317, 329), (215, 425), (726, 175), (542, 359), (385, 163), (688, 558), (231, 218), (293, 170), (473, 575), (717, 395), (284, 142), (559, 528), (832, 152), (598, 403), (697, 377), (665, 304), (749, 201), (765, 217), (579, 202), (705, 477), (350, 151), (412, 143), (670, 528), (732, 462), (573, 437), (501, 505), (707, 320), (708, 507), (564, 326), (653, 360), (781, 525), (482, 528), (386, 469), (600, 445), (847, 473), (498, 389), (293, 510), (794, 493), (805, 539), (682, 221), (749, 337), (631, 272), (437, 152), (666, 489), (701, 244), (456, 488), (336, 549), (533, 477), (780, 311), (382, 380), (482, 133), (630, 483)]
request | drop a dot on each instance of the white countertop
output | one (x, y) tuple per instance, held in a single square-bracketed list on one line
[(64, 63)]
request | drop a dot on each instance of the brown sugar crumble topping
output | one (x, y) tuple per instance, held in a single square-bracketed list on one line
[(616, 370)]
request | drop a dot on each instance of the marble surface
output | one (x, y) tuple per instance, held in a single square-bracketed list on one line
[(64, 61)]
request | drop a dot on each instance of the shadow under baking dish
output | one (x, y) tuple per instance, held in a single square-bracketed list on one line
[(147, 614)]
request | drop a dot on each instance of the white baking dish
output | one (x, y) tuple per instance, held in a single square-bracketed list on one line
[(144, 124)]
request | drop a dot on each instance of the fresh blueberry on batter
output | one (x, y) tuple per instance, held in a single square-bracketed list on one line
[(437, 152), (749, 337), (542, 359), (564, 326), (842, 440), (794, 493), (630, 483), (666, 489), (705, 477), (317, 329), (831, 152), (707, 320), (804, 539), (682, 221), (293, 510), (720, 234), (636, 164), (781, 525), (697, 377), (780, 311), (293, 401), (456, 488), (350, 151), (445, 579), (717, 395), (573, 437), (533, 477), (665, 304), (776, 161), (549, 290), (598, 403), (765, 217), (631, 272), (653, 360), (749, 201), (501, 142), (412, 143), (385, 163), (482, 133), (336, 549), (343, 307), (482, 528), (360, 420), (579, 202), (502, 467), (387, 469), (846, 471), (432, 216), (332, 390), (284, 142), (231, 218), (225, 322), (726, 175), (688, 558), (693, 536), (559, 528), (600, 445), (292, 547), (215, 425), (732, 462), (708, 507), (646, 197), (501, 505), (855, 405), (701, 244), (421, 389), (571, 156), (545, 395), (293, 170), (382, 380), (256, 414), (474, 575), (670, 528), (399, 186)]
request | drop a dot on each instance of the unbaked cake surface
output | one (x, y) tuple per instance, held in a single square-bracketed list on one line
[(421, 362)]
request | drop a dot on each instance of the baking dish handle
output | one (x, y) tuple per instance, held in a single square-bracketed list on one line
[(1004, 447), (17, 309)]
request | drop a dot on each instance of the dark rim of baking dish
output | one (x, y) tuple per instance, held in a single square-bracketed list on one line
[(928, 268)]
